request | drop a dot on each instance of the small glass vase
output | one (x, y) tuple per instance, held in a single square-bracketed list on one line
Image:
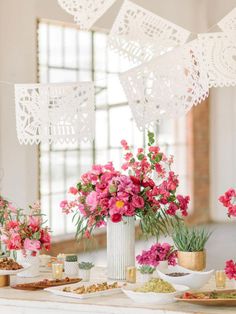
[(120, 247), (26, 257)]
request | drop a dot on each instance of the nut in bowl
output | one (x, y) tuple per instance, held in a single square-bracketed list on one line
[(155, 291), (178, 275)]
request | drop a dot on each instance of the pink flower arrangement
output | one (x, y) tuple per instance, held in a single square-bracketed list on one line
[(228, 199), (26, 232), (230, 269), (105, 193), (157, 253)]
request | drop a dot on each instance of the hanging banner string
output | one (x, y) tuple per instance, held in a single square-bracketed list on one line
[(103, 79)]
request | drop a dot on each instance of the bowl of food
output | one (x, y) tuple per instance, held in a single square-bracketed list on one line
[(178, 275), (155, 291), (10, 267)]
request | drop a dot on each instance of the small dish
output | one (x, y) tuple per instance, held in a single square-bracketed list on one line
[(153, 297), (194, 279), (14, 272)]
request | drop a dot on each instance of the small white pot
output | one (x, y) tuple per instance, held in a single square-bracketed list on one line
[(144, 277), (84, 274), (162, 266), (71, 268), (27, 258)]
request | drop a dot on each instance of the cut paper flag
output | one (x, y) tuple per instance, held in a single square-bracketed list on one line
[(86, 12), (167, 86), (54, 113), (219, 57), (139, 34)]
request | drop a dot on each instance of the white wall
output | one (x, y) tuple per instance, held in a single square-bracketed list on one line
[(223, 127), (18, 64)]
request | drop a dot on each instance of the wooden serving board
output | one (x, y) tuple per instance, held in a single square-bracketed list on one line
[(211, 302), (40, 285)]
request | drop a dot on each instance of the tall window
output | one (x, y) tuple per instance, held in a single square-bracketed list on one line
[(66, 54)]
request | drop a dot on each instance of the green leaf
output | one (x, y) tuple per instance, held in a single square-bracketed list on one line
[(141, 156)]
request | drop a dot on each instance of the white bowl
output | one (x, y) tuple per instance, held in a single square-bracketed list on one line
[(153, 297), (194, 279)]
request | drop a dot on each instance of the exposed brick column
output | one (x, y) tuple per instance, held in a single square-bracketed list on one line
[(198, 132)]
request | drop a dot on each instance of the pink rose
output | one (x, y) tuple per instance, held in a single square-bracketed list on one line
[(124, 144), (45, 237), (137, 201), (73, 190), (32, 245), (12, 225), (64, 204), (116, 218)]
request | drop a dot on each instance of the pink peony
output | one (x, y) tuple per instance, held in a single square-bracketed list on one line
[(92, 200), (32, 245)]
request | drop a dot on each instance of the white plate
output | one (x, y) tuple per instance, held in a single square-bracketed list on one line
[(59, 291), (194, 279), (153, 297), (14, 272)]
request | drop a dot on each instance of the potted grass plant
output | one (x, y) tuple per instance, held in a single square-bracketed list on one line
[(190, 244)]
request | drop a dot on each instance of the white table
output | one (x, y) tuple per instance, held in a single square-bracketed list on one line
[(40, 302)]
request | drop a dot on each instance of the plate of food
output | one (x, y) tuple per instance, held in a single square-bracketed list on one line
[(155, 291), (10, 267), (46, 283), (212, 298), (86, 290), (182, 276)]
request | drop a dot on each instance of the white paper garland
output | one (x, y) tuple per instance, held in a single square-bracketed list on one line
[(139, 34), (86, 12), (167, 86), (54, 113), (228, 25), (219, 57)]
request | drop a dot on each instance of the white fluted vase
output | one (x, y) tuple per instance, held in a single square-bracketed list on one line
[(27, 258), (120, 247)]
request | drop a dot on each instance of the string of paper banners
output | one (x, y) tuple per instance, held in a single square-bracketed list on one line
[(171, 74)]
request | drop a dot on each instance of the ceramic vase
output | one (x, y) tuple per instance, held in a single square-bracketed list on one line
[(26, 257), (120, 247)]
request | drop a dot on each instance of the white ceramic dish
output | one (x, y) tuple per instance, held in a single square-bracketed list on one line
[(14, 272), (194, 279), (59, 291), (153, 297)]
